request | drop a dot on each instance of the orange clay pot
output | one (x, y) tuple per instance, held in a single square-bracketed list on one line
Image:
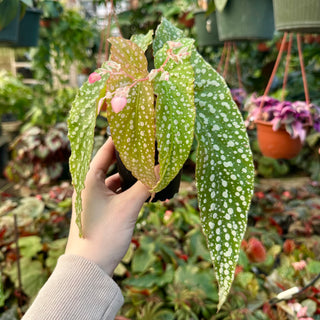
[(276, 144)]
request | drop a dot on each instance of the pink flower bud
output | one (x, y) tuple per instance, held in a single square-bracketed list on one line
[(118, 103), (174, 44), (93, 77)]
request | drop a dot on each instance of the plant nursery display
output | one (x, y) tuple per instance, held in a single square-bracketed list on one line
[(181, 97)]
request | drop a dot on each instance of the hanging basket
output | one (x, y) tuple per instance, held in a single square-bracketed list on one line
[(206, 29), (297, 15), (29, 29), (9, 34), (276, 144), (246, 20)]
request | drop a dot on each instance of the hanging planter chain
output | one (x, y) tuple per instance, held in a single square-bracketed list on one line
[(276, 65), (225, 59)]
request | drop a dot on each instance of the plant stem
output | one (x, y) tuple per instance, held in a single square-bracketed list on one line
[(16, 239)]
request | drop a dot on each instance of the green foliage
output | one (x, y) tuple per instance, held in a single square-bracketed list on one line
[(15, 97), (67, 40), (49, 107), (149, 13)]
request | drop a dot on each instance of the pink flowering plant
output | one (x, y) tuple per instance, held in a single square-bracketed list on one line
[(182, 97), (296, 117)]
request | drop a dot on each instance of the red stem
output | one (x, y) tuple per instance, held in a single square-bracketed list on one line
[(275, 68), (223, 55), (237, 65), (226, 65), (303, 72), (285, 76)]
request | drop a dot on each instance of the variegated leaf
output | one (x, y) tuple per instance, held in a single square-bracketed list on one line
[(224, 171), (81, 123), (133, 129), (166, 31), (130, 56), (175, 114), (143, 40), (224, 168)]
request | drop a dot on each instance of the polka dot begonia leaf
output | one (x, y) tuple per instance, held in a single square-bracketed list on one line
[(224, 171), (143, 40), (81, 124), (166, 31), (130, 56), (175, 113), (133, 129), (224, 166)]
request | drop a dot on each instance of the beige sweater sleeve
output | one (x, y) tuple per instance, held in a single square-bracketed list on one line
[(77, 289)]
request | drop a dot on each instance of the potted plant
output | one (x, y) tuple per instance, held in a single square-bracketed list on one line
[(297, 16), (181, 97), (282, 126), (245, 19), (51, 11)]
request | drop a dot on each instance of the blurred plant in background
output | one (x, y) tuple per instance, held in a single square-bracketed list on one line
[(39, 157)]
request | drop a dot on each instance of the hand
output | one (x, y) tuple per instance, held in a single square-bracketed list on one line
[(108, 218)]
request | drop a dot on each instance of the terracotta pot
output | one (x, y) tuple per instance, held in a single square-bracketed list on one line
[(276, 144)]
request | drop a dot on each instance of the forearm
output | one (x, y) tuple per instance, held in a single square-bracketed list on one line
[(77, 289)]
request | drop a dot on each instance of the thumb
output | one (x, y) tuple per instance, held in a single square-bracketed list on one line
[(138, 193)]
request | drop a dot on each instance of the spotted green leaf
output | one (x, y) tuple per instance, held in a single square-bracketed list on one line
[(130, 56), (81, 123), (224, 168), (175, 114), (166, 31), (133, 129), (224, 171), (143, 40)]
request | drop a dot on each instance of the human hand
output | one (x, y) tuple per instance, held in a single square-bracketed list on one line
[(108, 218)]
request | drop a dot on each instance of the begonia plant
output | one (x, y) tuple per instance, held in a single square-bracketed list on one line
[(181, 97), (296, 117)]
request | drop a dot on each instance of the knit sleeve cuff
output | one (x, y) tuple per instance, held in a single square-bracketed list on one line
[(77, 289)]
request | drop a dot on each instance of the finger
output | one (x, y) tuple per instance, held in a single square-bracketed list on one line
[(113, 182), (103, 159), (138, 193)]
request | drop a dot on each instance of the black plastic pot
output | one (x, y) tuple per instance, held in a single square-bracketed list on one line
[(29, 29), (206, 29), (9, 34), (247, 20), (129, 180)]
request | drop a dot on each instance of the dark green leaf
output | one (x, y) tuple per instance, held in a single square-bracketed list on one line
[(175, 114)]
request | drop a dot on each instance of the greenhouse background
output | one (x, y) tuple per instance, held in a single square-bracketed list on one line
[(267, 52)]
